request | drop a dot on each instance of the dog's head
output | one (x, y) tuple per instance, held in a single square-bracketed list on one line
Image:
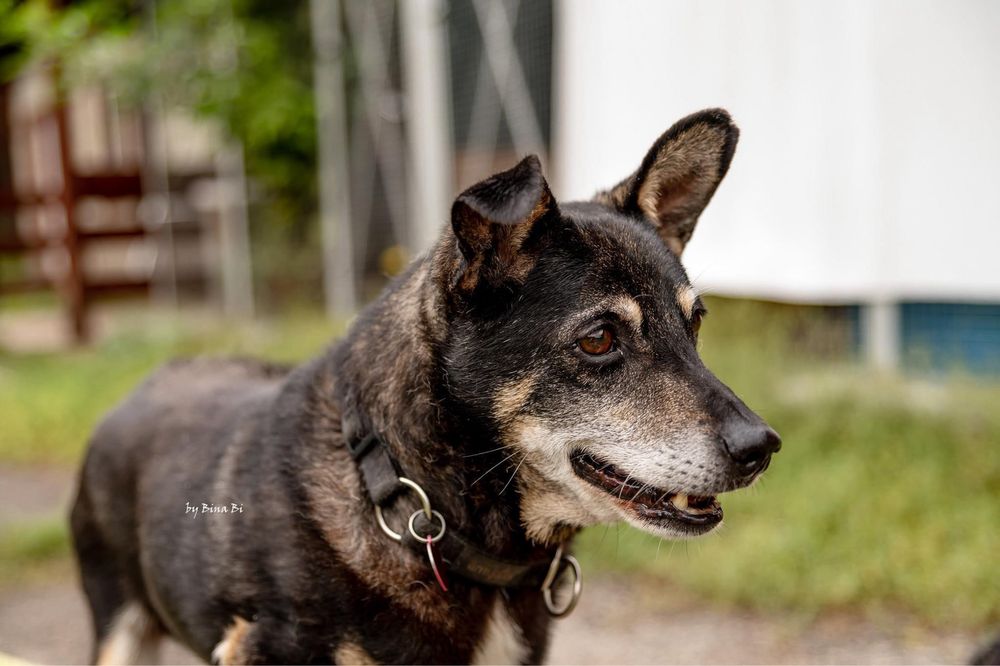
[(572, 331)]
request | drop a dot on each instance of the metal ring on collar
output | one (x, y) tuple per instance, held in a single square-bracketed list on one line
[(425, 504), (435, 538), (550, 579)]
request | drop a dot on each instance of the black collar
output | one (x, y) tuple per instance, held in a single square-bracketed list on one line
[(381, 475)]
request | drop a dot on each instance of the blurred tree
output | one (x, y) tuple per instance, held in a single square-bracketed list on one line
[(13, 40), (246, 64)]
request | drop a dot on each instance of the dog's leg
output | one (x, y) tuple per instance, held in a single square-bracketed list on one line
[(349, 653), (134, 638), (254, 643), (124, 629), (232, 649), (267, 642)]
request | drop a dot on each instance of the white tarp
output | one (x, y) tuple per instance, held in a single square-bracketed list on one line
[(869, 161)]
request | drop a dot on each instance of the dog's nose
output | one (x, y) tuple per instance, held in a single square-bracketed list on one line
[(750, 444)]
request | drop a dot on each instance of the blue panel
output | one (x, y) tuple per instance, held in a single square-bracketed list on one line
[(948, 336)]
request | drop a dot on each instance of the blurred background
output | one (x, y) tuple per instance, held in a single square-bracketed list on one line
[(241, 176)]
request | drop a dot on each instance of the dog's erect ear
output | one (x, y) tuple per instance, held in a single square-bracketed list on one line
[(494, 222), (679, 175)]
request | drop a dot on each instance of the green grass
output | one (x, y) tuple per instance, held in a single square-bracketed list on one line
[(49, 403), (886, 494), (25, 547)]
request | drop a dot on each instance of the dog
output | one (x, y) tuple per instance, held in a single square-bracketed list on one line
[(410, 495)]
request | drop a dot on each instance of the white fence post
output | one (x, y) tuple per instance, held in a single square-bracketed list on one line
[(331, 129), (880, 332), (428, 118)]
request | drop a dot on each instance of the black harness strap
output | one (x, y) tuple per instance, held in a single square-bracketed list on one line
[(378, 469), (381, 473)]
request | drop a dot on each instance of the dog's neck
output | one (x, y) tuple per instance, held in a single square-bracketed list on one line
[(388, 369)]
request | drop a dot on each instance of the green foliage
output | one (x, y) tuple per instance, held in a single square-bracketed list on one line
[(245, 65), (14, 37), (248, 64), (36, 32)]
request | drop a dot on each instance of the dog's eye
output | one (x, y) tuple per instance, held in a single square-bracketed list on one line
[(598, 342), (696, 318)]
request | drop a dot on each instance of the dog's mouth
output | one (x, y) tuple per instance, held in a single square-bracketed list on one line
[(696, 513)]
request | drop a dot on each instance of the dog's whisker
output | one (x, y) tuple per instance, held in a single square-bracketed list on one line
[(483, 453), (604, 534), (483, 475), (514, 473), (624, 483)]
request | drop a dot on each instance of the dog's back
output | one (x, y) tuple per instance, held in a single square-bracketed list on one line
[(195, 408)]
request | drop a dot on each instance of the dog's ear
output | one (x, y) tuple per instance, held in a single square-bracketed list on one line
[(678, 176), (495, 222)]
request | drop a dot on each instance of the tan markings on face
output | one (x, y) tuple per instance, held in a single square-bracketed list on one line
[(666, 407), (686, 297), (348, 653), (628, 309), (551, 516), (511, 398), (230, 649), (550, 509)]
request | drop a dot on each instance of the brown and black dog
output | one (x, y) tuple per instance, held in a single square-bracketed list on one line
[(535, 373)]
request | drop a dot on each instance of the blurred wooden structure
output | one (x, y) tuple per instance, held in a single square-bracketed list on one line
[(45, 210), (90, 209)]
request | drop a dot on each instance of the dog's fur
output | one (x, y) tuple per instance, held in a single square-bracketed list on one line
[(468, 367)]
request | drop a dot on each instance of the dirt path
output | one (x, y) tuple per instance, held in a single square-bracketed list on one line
[(618, 621), (47, 623), (33, 492)]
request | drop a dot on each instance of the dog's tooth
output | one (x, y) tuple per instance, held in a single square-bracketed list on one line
[(680, 500)]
